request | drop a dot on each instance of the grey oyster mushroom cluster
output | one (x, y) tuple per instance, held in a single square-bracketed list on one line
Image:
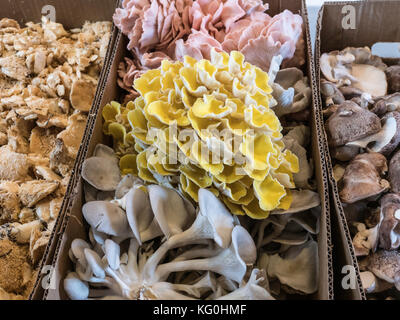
[(361, 105), (291, 89), (149, 242)]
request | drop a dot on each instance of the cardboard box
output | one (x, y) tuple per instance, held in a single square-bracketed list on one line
[(74, 227), (71, 15), (374, 21)]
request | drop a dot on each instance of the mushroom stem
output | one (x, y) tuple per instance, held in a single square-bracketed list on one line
[(213, 264), (213, 222), (115, 275), (201, 229), (231, 262), (197, 253)]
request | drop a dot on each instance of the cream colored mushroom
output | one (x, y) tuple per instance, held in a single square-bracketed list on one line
[(32, 192), (21, 233), (372, 284), (82, 94), (356, 67), (13, 166), (73, 134), (365, 240)]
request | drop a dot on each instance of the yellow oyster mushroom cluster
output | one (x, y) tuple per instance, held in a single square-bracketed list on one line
[(206, 124)]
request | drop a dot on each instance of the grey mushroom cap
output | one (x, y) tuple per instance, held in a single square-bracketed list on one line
[(169, 209), (104, 151), (296, 268), (102, 173), (138, 211), (291, 91), (126, 183), (106, 217), (219, 217), (75, 288), (302, 200)]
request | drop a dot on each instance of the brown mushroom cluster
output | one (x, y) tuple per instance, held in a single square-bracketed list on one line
[(361, 100), (48, 79)]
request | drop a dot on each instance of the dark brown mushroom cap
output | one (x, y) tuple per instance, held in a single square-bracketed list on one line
[(345, 153), (387, 103), (393, 76), (362, 177), (330, 92), (350, 92), (394, 172), (351, 122), (385, 264), (390, 203)]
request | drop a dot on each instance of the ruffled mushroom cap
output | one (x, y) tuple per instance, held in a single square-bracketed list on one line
[(197, 108), (173, 29)]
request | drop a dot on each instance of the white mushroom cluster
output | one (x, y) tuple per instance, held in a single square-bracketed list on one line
[(148, 242), (362, 108)]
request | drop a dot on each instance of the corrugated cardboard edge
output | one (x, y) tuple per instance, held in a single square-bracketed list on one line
[(324, 237), (38, 291), (325, 289), (338, 217), (77, 188)]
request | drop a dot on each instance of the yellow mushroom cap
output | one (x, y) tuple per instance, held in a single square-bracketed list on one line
[(207, 124)]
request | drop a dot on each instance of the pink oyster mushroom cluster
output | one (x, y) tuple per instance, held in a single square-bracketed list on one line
[(166, 29)]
